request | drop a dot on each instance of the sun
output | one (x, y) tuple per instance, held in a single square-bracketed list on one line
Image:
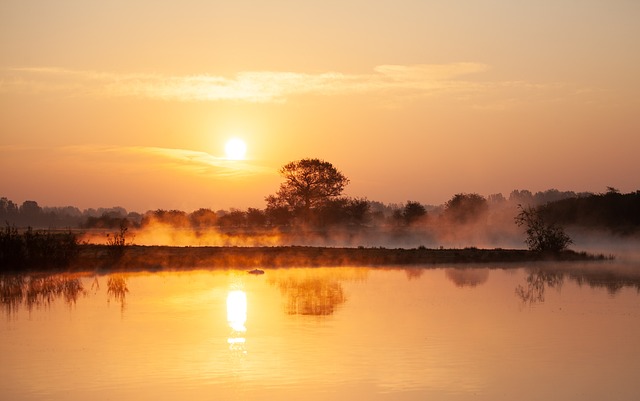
[(235, 149)]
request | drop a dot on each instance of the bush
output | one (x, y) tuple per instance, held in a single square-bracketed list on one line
[(117, 242), (36, 249), (541, 236)]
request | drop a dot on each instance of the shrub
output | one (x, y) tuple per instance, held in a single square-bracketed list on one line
[(36, 249), (541, 236)]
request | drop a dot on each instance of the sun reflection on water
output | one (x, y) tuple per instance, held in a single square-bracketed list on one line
[(237, 316)]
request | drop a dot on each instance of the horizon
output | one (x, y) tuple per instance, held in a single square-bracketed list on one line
[(386, 204), (152, 106)]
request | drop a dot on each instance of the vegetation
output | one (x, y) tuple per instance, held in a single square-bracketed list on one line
[(411, 213), (611, 211), (309, 208), (541, 236), (465, 208), (152, 258), (116, 243), (36, 249), (310, 184)]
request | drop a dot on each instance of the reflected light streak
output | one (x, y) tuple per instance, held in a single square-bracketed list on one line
[(237, 315)]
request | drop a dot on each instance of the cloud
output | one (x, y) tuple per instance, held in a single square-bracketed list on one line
[(200, 162), (251, 86), (130, 158)]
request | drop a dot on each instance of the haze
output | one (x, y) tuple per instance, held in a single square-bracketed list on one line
[(131, 104)]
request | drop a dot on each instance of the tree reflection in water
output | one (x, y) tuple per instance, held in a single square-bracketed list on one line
[(312, 295), (38, 290), (117, 289), (413, 273), (467, 277), (536, 282), (317, 293), (613, 277)]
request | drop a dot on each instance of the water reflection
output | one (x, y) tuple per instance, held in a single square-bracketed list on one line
[(237, 317), (613, 280), (117, 289), (38, 290), (11, 292), (414, 273), (467, 277), (41, 290), (388, 338), (612, 277), (537, 281), (319, 296)]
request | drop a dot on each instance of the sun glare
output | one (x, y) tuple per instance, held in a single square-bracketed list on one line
[(235, 149), (237, 310)]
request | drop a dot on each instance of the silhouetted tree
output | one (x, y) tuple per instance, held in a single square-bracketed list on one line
[(358, 211), (496, 198), (331, 212), (175, 218), (278, 215), (309, 183), (203, 218), (413, 211), (234, 218), (541, 236), (619, 213), (524, 197), (105, 221), (255, 217), (465, 208)]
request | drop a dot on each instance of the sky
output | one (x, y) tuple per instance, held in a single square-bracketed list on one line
[(130, 103)]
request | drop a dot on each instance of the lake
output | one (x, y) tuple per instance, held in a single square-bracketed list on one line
[(565, 331)]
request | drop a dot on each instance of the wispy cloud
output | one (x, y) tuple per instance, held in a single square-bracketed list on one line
[(132, 158), (199, 162), (251, 86)]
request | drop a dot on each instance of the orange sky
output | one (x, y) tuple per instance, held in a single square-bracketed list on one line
[(131, 103)]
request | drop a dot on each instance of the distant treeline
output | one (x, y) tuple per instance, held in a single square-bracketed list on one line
[(613, 211), (30, 214)]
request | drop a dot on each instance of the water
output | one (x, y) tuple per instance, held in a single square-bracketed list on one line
[(532, 332)]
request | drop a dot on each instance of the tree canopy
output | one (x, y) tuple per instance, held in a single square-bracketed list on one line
[(309, 184), (465, 208)]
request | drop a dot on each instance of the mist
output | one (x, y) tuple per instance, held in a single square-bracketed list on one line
[(605, 223)]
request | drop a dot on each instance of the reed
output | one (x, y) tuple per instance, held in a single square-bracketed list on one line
[(36, 249)]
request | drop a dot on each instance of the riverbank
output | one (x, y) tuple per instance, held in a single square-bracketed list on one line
[(92, 257)]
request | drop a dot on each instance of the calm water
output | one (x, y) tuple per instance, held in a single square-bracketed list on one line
[(537, 332)]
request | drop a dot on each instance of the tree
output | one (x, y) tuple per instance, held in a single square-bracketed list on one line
[(413, 211), (203, 218), (465, 208), (408, 214), (358, 211), (541, 236), (256, 217), (234, 218), (309, 184)]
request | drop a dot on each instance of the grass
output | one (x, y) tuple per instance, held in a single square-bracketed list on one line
[(41, 250), (36, 249)]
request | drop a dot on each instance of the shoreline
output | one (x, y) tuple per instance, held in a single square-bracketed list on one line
[(154, 258)]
